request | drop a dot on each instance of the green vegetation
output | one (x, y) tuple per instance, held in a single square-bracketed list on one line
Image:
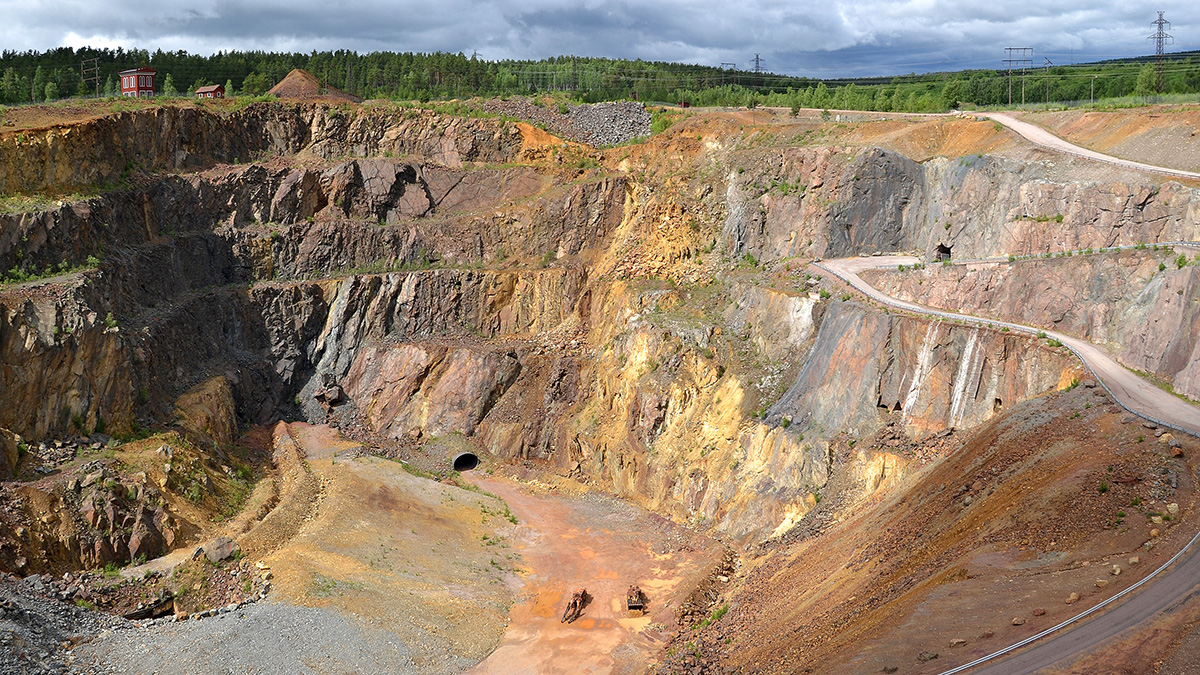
[(326, 587), (21, 274), (27, 77), (715, 616)]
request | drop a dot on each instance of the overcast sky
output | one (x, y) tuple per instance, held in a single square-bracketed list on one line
[(795, 37)]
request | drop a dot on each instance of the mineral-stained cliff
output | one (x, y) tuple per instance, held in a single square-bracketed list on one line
[(178, 138), (833, 202), (599, 323), (1140, 304)]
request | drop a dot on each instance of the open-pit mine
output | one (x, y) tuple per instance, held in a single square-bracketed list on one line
[(328, 387)]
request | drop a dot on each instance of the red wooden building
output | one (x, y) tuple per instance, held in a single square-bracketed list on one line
[(211, 91), (138, 82)]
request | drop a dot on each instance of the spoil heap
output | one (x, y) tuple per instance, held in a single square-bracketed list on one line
[(302, 84)]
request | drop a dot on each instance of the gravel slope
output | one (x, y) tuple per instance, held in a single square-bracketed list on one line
[(261, 639)]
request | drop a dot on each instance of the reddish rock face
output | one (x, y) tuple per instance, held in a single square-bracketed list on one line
[(1119, 299)]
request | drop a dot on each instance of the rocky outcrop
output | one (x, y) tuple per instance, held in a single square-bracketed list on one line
[(93, 517), (668, 425), (937, 374), (66, 368), (834, 202), (422, 297), (184, 138), (1144, 315), (429, 389)]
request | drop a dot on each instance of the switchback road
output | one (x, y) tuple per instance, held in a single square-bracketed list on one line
[(1170, 585)]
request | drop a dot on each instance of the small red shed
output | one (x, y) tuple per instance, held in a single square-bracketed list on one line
[(138, 82), (211, 91)]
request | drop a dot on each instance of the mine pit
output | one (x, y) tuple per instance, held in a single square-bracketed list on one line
[(366, 388)]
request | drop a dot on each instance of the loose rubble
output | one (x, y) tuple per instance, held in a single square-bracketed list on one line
[(597, 124)]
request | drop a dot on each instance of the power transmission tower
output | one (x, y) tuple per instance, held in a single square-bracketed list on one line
[(1160, 38), (1048, 64), (1021, 57), (89, 72), (758, 70)]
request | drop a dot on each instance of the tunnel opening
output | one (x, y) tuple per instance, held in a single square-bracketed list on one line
[(465, 461), (942, 253)]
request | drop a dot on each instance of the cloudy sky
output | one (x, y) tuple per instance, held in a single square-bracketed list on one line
[(830, 38)]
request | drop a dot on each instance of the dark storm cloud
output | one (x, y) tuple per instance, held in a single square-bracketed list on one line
[(822, 39)]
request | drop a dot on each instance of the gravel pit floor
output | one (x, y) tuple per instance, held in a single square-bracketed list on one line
[(395, 573)]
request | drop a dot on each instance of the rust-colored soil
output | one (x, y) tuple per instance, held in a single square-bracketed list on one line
[(441, 567), (1031, 509), (602, 545), (1163, 135), (426, 560), (302, 84)]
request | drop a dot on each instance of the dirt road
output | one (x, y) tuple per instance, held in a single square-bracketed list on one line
[(1044, 138), (1129, 388), (601, 544), (1176, 584), (1168, 591)]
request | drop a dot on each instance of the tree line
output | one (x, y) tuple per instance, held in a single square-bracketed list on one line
[(34, 77)]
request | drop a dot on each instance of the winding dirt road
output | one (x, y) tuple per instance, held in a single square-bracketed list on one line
[(1039, 136), (1127, 387), (1172, 584)]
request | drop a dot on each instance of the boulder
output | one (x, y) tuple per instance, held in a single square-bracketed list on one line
[(1072, 598), (221, 548)]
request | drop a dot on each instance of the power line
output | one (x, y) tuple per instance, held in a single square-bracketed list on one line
[(1160, 38), (1048, 64), (1024, 60)]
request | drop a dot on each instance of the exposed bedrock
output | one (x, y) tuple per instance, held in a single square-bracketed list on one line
[(351, 215), (833, 202), (174, 138), (1139, 304), (504, 304)]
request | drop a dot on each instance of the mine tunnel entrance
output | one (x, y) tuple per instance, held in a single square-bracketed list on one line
[(942, 253), (465, 461)]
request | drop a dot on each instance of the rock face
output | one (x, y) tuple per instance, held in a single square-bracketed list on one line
[(1146, 316), (102, 518), (936, 374), (514, 305), (185, 138), (834, 202)]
